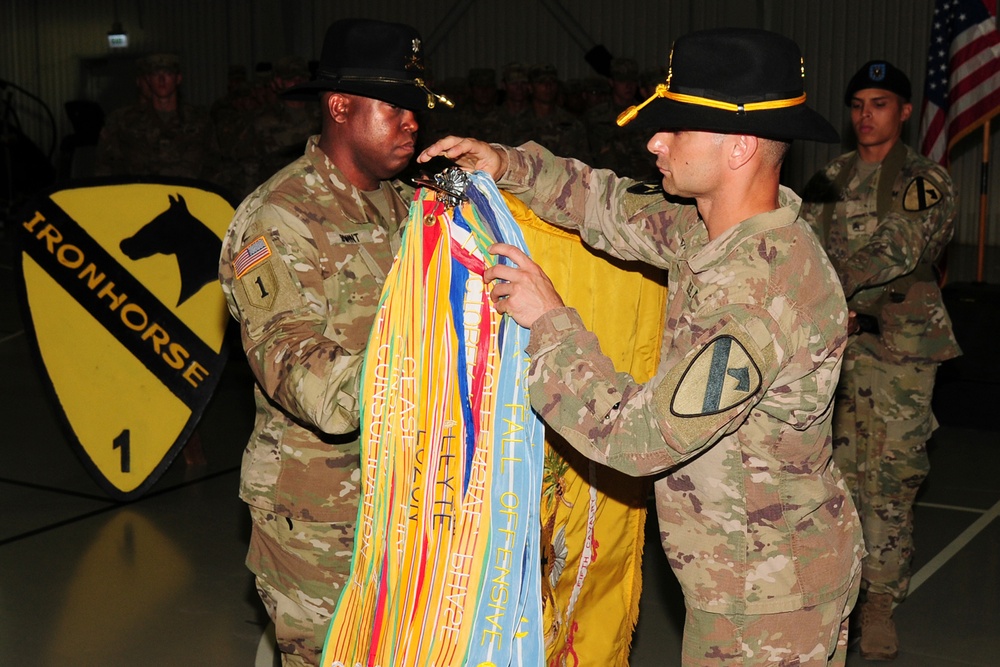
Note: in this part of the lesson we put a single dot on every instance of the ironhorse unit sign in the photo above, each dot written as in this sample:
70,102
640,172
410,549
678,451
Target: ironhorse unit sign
120,289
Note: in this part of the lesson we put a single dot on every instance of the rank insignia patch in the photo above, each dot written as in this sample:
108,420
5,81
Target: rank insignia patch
920,195
646,188
723,375
121,293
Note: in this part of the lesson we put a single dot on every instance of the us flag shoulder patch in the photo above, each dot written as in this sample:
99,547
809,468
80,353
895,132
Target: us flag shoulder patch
256,252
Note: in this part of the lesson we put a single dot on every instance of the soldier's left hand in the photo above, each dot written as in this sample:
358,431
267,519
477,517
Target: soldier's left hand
522,291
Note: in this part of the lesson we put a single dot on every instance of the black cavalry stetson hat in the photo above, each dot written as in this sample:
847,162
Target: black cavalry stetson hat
734,80
372,59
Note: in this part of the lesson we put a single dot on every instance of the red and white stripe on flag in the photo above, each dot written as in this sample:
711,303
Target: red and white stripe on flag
962,90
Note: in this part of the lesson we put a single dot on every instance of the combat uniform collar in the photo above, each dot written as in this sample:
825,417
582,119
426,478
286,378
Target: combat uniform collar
721,247
355,205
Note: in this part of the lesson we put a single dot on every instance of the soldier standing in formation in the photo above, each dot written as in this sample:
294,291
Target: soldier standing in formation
158,135
513,117
756,523
551,125
884,214
620,149
302,267
277,133
477,117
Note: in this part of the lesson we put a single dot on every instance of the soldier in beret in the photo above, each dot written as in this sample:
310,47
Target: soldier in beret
159,135
302,267
884,214
756,522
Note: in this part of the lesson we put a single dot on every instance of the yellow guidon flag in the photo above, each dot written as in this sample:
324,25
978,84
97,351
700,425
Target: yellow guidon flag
593,517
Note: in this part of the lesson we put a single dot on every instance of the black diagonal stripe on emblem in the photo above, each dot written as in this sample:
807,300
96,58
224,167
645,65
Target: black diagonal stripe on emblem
140,322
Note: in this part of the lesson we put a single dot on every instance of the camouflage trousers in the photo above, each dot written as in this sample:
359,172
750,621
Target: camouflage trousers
301,568
882,422
813,636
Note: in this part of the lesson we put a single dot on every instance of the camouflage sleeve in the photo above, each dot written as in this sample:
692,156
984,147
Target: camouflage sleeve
619,216
917,229
646,429
110,156
817,192
283,317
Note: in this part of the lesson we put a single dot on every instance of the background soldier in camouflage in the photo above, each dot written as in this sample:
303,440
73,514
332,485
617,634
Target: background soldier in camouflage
159,135
277,132
758,527
477,117
513,118
551,125
620,149
885,215
302,267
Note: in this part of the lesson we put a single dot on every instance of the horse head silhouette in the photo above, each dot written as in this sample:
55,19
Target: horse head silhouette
177,232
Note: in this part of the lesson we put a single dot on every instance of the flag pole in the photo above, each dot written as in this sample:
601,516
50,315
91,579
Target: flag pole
983,199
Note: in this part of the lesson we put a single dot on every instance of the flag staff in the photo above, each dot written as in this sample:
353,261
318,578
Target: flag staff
984,201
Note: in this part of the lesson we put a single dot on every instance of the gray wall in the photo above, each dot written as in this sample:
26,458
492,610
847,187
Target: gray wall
57,50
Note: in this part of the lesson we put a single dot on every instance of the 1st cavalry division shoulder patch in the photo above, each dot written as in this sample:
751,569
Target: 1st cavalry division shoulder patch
120,285
921,194
722,376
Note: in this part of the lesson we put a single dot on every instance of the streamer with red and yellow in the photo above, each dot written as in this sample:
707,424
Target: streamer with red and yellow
445,566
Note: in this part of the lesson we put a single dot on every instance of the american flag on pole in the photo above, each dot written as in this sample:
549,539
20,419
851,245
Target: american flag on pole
962,90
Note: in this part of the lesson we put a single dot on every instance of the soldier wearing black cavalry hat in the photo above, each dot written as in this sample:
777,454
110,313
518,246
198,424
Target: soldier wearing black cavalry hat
302,267
884,214
736,425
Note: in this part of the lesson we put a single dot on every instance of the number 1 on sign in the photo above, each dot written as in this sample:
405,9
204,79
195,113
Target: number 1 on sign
123,442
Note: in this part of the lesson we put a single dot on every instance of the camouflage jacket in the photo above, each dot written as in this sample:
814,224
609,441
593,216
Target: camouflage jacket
562,133
277,134
884,262
620,149
302,267
138,141
753,516
513,129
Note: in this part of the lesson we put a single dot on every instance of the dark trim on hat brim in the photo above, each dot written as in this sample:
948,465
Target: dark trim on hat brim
798,122
405,95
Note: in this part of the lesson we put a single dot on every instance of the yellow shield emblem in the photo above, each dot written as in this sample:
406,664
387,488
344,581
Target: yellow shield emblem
723,375
120,287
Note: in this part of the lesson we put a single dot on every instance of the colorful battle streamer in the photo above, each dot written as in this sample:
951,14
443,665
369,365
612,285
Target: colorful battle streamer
446,565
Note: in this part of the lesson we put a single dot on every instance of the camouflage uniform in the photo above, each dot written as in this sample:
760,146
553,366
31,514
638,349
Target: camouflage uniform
277,134
306,309
883,415
481,122
512,128
561,132
620,149
138,141
754,519
558,130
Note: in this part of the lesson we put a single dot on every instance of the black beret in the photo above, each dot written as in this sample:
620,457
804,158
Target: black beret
878,74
